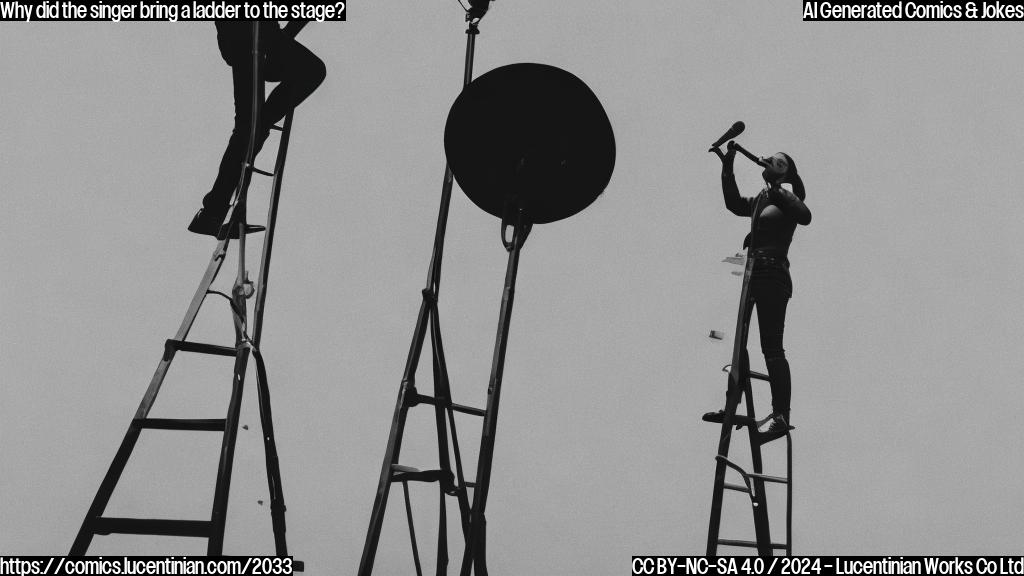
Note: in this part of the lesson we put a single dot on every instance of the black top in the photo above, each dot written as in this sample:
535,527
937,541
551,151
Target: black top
779,212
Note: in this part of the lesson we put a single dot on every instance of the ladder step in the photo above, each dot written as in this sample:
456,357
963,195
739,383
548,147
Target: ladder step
738,420
749,544
276,127
767,478
207,424
753,374
401,473
191,528
264,172
736,487
424,399
185,346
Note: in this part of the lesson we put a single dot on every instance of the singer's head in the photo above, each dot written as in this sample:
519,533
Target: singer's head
781,168
776,167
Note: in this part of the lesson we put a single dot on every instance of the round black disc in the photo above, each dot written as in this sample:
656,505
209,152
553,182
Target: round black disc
530,136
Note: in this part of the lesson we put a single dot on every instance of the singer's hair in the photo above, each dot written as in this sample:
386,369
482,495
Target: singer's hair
794,178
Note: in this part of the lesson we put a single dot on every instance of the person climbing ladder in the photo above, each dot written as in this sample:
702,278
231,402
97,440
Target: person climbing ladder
285,60
777,211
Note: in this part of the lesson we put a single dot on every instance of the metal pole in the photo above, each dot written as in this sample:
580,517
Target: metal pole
475,542
407,386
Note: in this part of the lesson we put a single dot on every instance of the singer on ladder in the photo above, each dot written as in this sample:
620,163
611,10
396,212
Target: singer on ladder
299,72
770,284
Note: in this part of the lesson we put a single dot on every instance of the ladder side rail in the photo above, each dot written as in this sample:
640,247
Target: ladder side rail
222,488
789,494
274,485
473,554
738,384
762,529
216,261
268,239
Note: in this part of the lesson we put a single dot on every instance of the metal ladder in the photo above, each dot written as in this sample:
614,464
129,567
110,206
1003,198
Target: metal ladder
754,482
246,342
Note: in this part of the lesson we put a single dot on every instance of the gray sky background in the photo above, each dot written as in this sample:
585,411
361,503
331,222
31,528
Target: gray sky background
903,333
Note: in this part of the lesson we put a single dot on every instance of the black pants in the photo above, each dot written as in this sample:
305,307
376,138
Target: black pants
299,72
770,290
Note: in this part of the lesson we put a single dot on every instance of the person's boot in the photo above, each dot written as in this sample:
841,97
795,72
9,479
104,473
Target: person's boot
208,221
772,427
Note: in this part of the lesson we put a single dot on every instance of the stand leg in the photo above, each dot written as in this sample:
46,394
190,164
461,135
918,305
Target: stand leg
428,311
475,541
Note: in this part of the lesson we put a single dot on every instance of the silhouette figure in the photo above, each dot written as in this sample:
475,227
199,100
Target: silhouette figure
779,211
298,71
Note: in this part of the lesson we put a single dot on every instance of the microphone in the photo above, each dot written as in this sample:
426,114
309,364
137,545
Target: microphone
731,133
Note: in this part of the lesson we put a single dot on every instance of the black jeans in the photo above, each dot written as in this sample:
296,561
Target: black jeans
299,72
770,289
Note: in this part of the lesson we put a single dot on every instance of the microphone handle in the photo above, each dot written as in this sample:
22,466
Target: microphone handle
746,153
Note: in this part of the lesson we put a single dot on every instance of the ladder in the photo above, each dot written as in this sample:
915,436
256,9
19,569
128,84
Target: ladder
754,482
246,342
451,481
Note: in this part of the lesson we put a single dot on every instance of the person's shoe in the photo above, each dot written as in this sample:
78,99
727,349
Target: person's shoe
772,427
207,221
249,229
716,417
211,223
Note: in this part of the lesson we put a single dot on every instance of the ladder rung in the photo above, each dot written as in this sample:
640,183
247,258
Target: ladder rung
421,398
753,374
738,420
749,544
185,346
192,528
264,172
208,424
735,487
401,473
767,478
469,410
276,127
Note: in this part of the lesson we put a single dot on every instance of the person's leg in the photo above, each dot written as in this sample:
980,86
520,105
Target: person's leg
219,197
299,72
771,320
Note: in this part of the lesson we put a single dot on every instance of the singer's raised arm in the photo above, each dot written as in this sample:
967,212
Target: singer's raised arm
735,203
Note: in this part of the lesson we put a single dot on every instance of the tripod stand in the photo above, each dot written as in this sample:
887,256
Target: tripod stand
547,153
408,396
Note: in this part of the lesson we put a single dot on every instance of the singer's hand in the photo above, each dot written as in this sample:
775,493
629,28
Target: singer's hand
728,156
